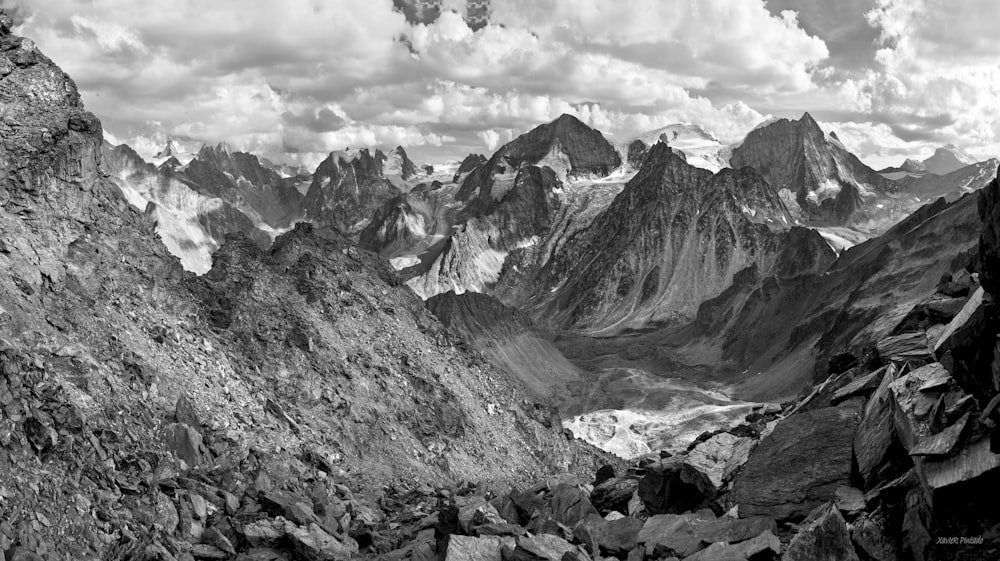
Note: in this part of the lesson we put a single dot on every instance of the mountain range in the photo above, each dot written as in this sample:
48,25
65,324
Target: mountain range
573,348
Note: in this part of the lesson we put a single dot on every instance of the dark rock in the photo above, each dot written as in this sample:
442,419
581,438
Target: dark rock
570,505
906,347
186,443
872,540
823,536
798,466
214,537
675,486
876,448
614,494
864,385
605,473
841,363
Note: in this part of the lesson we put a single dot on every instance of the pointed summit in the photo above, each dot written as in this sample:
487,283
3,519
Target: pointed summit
829,184
568,141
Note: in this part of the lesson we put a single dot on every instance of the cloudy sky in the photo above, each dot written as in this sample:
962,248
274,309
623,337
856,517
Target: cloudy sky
298,78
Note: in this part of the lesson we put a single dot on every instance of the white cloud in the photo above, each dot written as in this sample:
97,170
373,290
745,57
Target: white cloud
311,76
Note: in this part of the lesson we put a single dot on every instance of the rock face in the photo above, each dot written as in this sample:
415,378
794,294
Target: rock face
244,182
475,256
676,236
396,166
814,452
345,191
828,184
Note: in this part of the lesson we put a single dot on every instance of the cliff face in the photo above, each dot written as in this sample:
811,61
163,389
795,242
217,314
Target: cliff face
141,388
345,191
828,184
244,182
673,238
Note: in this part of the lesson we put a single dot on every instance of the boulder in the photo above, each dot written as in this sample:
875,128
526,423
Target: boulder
871,540
823,536
905,348
766,545
609,536
674,486
185,443
732,530
185,414
614,494
477,512
483,548
798,466
544,547
312,543
721,455
915,412
876,448
570,505
972,461
863,385
674,534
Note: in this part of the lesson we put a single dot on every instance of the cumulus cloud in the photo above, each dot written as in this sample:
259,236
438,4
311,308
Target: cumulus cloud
296,79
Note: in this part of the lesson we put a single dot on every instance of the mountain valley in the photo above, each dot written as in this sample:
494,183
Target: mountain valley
574,348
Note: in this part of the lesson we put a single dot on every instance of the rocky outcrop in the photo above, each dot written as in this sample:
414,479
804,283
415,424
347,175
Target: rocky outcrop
673,238
346,190
814,450
827,183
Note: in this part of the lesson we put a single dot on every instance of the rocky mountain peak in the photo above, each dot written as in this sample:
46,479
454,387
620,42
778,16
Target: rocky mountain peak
585,149
947,159
829,184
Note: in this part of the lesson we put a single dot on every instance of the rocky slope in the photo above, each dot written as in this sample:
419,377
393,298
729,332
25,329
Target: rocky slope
509,339
820,179
952,185
150,414
673,238
787,329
